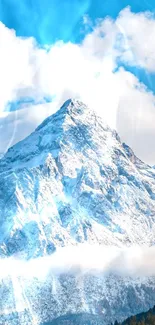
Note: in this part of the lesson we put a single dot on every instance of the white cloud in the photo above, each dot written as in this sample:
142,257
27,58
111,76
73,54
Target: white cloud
136,116
138,42
84,259
86,71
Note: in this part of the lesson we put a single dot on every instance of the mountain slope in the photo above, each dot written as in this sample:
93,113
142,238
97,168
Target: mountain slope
78,319
89,319
70,181
73,181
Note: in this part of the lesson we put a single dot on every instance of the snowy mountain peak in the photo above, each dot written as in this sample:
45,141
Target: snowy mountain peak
75,181
75,106
72,109
73,124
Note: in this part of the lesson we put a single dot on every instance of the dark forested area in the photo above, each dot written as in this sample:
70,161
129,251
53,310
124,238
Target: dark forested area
147,318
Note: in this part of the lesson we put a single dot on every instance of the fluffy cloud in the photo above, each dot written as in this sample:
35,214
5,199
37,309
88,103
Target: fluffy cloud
87,71
137,43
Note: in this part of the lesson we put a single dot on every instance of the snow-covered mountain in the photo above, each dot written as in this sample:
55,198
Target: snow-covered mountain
70,181
73,181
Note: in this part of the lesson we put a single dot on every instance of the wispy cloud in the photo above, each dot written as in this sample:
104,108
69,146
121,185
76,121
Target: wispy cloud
85,258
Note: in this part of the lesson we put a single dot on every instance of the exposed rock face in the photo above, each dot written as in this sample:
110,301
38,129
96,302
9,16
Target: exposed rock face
73,181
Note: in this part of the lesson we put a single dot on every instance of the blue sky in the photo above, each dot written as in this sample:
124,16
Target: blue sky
52,20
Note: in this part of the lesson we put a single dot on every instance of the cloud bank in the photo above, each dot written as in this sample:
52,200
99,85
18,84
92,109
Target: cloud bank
91,71
85,259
